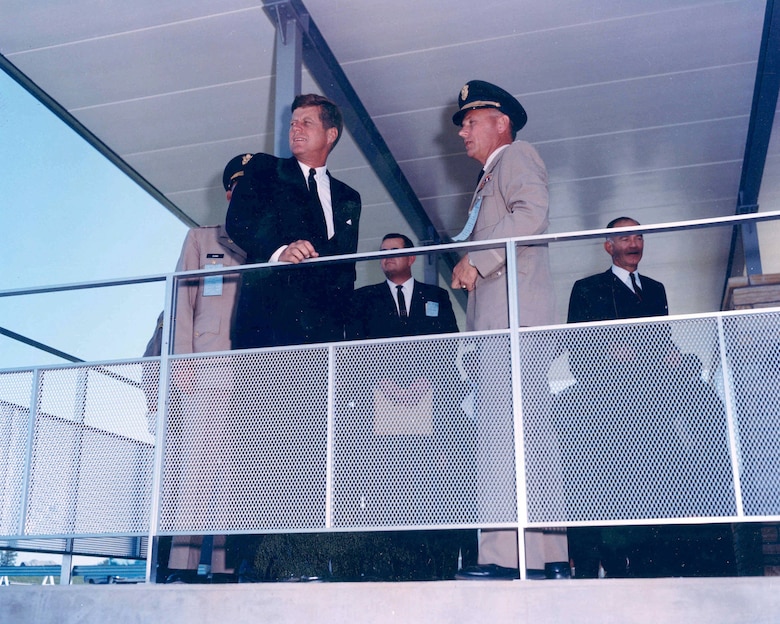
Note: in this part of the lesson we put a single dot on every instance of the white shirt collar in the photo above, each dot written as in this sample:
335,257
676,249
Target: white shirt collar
320,175
624,276
494,155
408,286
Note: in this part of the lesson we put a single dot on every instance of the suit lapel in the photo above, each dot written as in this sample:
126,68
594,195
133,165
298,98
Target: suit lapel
485,178
290,173
388,301
388,312
338,205
416,309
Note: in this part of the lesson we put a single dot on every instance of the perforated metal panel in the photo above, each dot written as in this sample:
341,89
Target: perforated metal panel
246,441
620,422
753,354
247,438
93,457
15,389
405,436
640,433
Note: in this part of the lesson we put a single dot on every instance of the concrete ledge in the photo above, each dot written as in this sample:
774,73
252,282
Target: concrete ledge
620,601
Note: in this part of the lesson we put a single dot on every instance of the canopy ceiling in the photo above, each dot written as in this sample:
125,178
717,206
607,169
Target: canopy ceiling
638,107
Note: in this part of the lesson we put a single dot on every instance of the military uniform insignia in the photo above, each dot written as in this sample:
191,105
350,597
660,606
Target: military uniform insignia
464,92
246,159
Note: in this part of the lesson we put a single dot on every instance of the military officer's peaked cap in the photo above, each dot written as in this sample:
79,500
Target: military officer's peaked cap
234,169
481,94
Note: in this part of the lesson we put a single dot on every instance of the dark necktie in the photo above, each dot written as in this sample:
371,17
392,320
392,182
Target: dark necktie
637,290
313,187
315,196
481,173
401,301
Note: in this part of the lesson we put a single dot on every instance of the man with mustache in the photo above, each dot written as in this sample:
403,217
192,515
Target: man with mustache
619,292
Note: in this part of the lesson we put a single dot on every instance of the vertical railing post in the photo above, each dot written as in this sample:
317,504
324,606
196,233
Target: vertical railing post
517,402
163,392
67,564
35,395
730,418
330,432
79,411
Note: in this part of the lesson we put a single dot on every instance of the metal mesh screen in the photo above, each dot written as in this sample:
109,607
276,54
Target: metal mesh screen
423,433
636,429
753,353
93,457
15,391
246,442
620,422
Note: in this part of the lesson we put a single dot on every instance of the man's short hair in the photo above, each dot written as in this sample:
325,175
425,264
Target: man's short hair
408,244
330,115
617,220
614,222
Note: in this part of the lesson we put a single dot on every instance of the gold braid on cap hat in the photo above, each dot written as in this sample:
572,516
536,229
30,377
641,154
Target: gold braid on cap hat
481,104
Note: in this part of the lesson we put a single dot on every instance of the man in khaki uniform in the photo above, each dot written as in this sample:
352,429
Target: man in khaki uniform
202,323
511,200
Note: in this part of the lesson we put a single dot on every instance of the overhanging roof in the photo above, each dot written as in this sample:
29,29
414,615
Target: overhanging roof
638,107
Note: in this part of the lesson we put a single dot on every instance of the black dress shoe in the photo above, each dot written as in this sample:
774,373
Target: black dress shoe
223,577
557,570
303,579
487,572
186,576
246,574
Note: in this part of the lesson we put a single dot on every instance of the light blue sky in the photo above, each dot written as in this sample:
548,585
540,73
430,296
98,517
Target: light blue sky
70,216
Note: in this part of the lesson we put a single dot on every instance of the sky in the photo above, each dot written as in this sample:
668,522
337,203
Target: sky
70,216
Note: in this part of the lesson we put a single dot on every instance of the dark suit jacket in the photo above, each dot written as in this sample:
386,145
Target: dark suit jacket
271,207
374,313
603,297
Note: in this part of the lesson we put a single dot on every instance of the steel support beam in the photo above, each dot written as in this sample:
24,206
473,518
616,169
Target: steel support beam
287,72
325,69
38,345
745,252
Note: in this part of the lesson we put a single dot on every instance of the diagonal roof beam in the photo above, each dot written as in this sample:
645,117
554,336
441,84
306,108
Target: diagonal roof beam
325,69
38,345
60,111
744,239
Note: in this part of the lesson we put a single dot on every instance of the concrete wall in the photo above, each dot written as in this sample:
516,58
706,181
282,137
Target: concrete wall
742,600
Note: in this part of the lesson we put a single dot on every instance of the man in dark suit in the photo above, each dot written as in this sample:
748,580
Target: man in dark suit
619,292
403,306
287,211
290,210
400,306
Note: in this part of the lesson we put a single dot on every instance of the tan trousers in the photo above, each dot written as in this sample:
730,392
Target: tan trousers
499,546
185,553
